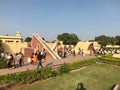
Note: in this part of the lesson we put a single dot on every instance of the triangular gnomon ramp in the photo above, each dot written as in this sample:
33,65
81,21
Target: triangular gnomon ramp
54,55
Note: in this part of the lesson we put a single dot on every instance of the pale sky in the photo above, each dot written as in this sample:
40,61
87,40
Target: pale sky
85,18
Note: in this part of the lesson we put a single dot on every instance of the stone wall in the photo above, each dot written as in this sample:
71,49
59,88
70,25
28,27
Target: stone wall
50,45
14,47
27,53
85,45
37,45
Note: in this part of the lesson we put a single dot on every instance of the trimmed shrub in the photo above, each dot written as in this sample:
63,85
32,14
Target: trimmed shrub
30,76
67,67
108,59
81,63
63,69
26,76
3,63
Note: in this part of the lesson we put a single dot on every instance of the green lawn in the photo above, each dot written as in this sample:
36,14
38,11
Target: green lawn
93,77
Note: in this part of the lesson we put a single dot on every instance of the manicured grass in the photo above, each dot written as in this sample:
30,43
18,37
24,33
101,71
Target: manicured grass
93,77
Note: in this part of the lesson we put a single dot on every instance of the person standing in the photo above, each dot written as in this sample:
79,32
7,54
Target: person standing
16,60
43,53
73,52
35,59
39,56
20,56
9,61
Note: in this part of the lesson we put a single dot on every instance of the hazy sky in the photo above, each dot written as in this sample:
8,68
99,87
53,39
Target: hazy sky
48,18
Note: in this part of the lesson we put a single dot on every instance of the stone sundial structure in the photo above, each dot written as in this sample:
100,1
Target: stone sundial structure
38,43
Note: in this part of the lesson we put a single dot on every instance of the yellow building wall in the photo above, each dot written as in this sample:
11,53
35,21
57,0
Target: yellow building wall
50,45
81,44
85,45
14,47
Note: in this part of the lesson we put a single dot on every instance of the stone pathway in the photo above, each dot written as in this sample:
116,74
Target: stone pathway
45,63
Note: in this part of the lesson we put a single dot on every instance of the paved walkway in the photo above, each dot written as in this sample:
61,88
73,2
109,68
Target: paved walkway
45,63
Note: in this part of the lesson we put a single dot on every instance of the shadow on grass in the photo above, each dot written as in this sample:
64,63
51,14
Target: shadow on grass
80,86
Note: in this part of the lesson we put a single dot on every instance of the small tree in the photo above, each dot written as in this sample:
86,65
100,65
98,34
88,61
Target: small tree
68,39
28,39
117,38
106,40
101,40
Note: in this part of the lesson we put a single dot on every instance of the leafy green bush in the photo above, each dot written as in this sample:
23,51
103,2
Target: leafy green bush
30,76
81,63
108,59
67,67
26,76
63,69
3,63
111,61
108,55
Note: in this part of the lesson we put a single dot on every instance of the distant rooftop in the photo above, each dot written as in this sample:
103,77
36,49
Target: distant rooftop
7,38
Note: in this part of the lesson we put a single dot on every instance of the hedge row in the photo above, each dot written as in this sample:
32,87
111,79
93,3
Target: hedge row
108,59
67,67
81,63
30,76
3,63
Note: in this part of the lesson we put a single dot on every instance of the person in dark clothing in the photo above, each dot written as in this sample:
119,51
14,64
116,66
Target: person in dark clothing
39,56
44,55
12,60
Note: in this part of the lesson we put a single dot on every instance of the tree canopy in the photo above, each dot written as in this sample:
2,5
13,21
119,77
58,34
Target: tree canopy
68,39
117,40
106,40
28,39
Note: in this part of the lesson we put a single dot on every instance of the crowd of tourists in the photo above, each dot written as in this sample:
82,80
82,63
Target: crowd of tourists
36,58
13,61
103,51
109,51
17,60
